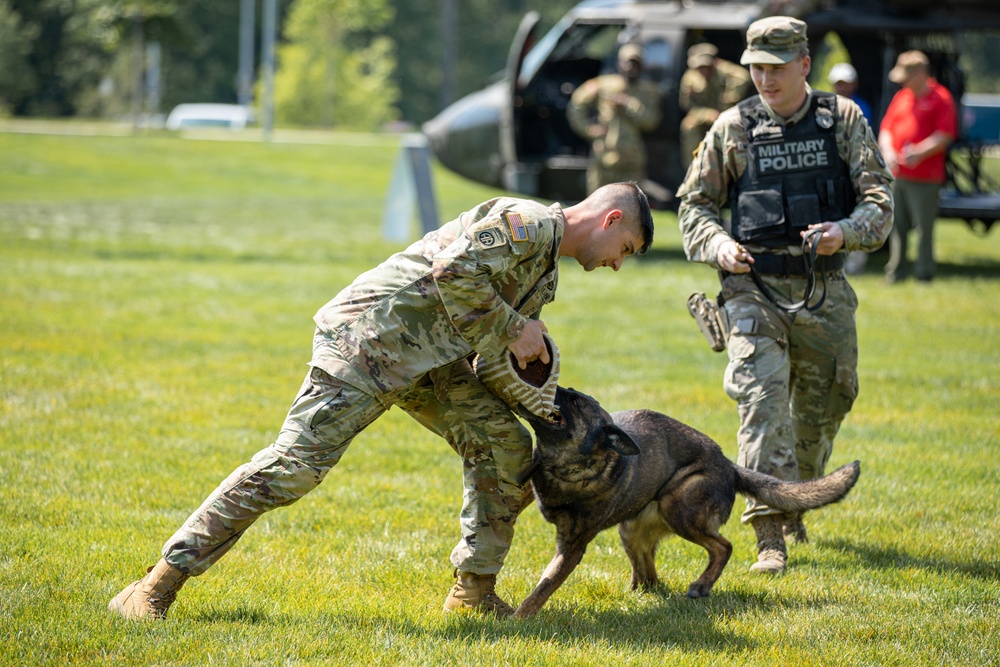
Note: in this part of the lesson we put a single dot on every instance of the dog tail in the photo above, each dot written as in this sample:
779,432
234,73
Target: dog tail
797,496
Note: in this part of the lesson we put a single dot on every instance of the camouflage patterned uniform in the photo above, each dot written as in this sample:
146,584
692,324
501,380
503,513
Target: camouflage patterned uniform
703,99
596,112
794,377
402,334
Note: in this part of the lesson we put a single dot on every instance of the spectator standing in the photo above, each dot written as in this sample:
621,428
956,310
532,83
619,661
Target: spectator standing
612,111
918,127
844,79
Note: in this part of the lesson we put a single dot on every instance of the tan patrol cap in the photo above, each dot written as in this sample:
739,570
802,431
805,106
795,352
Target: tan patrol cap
630,52
774,40
907,64
701,55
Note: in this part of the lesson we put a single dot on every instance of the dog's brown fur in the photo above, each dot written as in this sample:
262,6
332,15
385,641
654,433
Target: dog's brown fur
651,476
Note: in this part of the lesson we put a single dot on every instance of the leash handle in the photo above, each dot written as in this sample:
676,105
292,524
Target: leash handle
811,239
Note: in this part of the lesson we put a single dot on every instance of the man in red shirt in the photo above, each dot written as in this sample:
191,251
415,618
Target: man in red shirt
916,131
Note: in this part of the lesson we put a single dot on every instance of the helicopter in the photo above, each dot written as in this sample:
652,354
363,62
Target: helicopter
513,134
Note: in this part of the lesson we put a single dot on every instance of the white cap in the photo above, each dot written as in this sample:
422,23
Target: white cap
843,72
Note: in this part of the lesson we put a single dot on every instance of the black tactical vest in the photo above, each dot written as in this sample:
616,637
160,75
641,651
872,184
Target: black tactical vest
794,176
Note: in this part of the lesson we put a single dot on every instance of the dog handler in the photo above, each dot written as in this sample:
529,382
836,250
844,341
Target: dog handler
402,334
787,161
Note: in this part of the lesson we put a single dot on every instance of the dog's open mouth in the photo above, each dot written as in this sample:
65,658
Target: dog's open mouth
552,420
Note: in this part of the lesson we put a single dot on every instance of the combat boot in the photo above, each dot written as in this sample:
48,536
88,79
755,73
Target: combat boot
771,553
476,592
151,596
794,529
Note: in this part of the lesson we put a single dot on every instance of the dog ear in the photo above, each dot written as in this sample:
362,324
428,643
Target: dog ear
620,441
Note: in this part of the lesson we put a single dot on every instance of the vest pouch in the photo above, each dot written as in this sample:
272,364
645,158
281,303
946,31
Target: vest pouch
803,210
760,215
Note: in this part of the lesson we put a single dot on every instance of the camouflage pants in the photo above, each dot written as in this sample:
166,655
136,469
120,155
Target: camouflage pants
793,377
322,422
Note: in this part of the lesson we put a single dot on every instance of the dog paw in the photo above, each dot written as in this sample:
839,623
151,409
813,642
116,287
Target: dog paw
698,590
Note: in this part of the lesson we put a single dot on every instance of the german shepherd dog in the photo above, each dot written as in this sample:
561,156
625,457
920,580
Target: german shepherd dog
651,476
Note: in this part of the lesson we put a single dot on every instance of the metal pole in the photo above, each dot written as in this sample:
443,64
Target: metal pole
269,23
244,82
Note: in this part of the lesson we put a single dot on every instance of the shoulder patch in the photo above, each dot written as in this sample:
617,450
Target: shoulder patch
516,224
489,237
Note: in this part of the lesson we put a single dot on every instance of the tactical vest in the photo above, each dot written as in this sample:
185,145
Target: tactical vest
794,176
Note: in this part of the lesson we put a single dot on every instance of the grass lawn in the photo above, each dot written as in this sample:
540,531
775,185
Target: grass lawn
156,297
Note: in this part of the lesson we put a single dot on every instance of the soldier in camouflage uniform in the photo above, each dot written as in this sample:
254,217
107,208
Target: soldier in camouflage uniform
709,86
785,162
403,334
612,111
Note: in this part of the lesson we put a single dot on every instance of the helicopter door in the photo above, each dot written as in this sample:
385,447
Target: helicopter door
524,40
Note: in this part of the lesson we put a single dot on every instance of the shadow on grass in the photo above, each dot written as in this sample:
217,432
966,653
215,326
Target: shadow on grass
664,620
671,621
883,557
243,614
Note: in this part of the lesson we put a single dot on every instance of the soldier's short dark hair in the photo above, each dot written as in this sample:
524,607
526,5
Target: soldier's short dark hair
630,198
645,219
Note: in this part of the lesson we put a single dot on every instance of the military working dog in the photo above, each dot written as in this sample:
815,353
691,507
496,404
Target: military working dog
651,476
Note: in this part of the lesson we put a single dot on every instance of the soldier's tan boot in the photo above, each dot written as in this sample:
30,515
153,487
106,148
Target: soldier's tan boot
771,553
476,592
151,596
794,529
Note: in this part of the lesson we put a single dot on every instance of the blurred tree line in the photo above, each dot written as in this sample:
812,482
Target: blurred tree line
344,63
981,62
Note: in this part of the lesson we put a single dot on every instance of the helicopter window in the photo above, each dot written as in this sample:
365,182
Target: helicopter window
583,50
589,41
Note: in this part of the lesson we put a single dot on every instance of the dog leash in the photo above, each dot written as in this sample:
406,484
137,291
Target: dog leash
811,239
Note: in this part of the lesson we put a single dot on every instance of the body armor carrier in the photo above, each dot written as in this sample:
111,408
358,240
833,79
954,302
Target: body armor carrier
794,176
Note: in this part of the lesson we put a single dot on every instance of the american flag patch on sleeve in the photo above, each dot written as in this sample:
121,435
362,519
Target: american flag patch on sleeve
518,232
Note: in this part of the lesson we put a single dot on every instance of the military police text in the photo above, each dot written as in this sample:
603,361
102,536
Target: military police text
792,156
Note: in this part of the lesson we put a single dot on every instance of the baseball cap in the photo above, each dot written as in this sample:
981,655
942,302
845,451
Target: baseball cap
630,52
701,55
907,64
843,72
774,40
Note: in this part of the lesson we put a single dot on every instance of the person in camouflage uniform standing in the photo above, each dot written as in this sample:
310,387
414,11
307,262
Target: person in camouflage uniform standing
708,87
403,334
612,111
786,162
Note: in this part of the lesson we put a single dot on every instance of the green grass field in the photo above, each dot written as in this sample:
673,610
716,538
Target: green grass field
156,297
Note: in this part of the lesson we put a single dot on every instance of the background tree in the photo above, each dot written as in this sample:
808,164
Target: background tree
981,61
482,35
17,78
335,68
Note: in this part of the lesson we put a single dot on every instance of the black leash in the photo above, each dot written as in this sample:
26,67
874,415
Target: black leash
811,239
